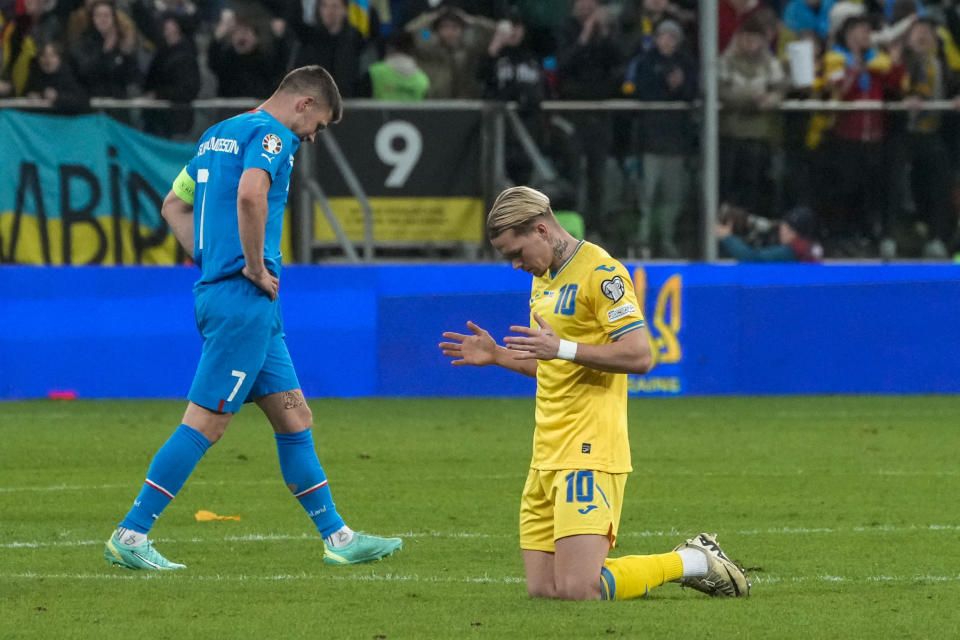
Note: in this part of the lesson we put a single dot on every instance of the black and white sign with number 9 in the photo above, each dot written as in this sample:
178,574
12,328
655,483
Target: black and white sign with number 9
402,160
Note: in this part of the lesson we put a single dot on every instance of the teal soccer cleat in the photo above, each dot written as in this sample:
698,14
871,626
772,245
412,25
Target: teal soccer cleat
142,556
362,548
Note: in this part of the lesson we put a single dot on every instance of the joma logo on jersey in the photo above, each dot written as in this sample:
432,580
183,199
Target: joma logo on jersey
225,145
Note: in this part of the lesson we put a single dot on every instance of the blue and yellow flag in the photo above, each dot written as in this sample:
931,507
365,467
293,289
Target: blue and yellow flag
84,190
360,16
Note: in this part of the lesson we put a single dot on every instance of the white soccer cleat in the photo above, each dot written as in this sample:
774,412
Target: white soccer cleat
724,578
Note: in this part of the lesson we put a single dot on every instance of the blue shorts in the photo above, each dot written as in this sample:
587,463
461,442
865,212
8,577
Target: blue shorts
244,354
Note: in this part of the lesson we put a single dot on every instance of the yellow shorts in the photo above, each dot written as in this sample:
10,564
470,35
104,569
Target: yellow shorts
557,504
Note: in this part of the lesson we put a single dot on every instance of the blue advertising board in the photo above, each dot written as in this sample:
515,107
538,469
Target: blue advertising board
373,330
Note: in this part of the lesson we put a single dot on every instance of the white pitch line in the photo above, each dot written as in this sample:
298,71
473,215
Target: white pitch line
773,579
798,530
508,476
251,537
128,485
756,580
370,577
36,545
663,533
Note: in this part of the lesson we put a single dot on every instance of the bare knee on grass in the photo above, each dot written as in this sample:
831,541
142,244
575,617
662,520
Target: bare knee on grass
577,565
565,587
578,588
539,567
541,590
571,573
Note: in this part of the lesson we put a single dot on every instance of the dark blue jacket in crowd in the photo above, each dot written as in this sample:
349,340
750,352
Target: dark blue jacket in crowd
664,132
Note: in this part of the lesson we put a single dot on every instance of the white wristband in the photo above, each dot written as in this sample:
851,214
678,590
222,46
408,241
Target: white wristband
567,350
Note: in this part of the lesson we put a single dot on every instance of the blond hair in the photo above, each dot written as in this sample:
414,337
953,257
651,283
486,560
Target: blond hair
517,208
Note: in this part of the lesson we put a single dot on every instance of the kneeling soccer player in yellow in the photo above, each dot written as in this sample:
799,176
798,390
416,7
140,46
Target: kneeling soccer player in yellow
586,333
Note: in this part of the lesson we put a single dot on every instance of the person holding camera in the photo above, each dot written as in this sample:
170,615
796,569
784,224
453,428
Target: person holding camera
245,55
796,233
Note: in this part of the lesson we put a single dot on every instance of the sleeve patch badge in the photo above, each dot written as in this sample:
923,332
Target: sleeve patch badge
618,312
613,288
272,143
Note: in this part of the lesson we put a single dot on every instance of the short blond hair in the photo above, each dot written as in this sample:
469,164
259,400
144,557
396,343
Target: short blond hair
517,208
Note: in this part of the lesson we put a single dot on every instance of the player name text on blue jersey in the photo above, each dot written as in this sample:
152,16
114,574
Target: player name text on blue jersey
227,145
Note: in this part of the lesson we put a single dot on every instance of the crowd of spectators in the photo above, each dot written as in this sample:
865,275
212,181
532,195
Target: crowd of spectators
876,182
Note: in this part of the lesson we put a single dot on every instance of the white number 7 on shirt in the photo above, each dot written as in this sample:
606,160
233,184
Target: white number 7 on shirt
241,376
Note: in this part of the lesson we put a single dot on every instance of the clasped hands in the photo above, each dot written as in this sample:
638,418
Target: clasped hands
479,348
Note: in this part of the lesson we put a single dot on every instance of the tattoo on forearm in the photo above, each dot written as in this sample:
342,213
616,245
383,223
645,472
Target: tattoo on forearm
559,248
293,399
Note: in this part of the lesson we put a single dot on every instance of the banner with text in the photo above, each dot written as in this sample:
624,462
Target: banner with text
84,190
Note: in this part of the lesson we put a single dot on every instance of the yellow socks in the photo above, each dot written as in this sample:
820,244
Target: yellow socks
634,576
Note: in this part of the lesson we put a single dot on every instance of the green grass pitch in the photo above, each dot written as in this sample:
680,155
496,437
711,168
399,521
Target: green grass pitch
845,508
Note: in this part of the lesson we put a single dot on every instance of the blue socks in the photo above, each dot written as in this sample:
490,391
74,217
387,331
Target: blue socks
170,468
305,478
177,458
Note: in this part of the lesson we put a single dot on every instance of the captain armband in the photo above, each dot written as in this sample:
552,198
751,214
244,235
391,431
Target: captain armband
184,186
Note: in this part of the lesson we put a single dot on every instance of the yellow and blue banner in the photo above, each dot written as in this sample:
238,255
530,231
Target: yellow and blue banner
84,190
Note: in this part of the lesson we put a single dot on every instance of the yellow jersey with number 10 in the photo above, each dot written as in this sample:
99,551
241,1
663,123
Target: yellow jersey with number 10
582,412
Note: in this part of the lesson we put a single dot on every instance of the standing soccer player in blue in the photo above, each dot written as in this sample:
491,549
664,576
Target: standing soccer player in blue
226,209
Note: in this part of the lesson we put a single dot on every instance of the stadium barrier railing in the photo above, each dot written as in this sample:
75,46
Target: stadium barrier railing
499,126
